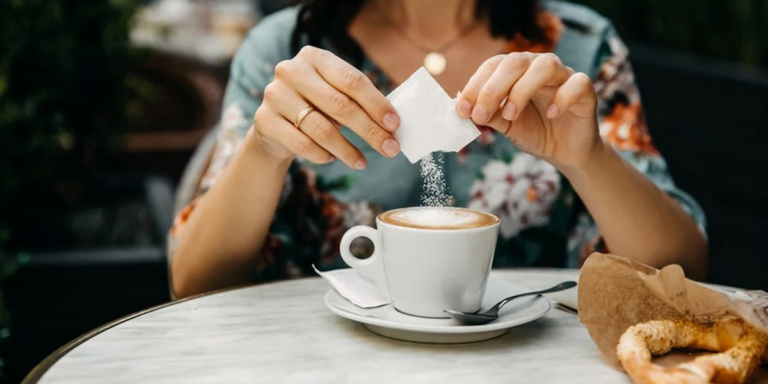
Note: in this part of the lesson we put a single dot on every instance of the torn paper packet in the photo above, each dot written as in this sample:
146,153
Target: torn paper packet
428,119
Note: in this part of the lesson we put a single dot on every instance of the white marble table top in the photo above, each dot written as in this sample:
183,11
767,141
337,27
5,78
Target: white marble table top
282,333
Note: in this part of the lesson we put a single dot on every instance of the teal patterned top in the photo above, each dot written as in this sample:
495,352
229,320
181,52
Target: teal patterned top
543,222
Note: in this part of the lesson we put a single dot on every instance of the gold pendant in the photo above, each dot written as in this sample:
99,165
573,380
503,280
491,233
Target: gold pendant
435,63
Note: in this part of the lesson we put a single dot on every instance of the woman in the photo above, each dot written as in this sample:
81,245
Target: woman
564,158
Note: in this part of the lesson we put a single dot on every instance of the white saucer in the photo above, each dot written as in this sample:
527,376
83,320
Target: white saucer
388,322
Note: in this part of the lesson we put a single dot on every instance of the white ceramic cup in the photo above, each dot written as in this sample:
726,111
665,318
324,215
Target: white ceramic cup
425,271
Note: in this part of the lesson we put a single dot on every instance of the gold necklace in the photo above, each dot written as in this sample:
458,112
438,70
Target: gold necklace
434,59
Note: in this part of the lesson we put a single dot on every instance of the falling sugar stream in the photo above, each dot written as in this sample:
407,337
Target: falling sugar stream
434,190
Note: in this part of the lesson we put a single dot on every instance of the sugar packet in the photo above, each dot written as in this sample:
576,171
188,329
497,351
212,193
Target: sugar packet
428,118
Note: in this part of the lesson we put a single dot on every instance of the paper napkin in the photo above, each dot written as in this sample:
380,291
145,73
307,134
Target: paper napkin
358,289
428,119
639,293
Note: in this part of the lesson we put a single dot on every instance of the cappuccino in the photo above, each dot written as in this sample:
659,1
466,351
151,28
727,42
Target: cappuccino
428,259
438,218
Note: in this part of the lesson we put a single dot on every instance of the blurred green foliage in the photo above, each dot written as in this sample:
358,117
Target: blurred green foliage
63,67
734,30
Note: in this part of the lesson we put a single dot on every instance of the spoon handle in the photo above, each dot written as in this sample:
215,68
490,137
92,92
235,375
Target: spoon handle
560,287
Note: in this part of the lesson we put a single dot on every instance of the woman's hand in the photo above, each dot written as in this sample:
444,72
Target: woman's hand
542,106
340,94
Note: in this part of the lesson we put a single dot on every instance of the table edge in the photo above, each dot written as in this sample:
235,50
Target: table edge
34,376
42,367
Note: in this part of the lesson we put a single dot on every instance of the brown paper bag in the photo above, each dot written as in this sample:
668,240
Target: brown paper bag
616,293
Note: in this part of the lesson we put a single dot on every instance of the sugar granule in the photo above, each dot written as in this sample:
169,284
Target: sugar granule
434,190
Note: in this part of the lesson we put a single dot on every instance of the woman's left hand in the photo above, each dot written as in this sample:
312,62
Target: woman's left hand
544,107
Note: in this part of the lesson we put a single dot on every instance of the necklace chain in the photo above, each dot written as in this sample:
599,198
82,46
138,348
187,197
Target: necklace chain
441,49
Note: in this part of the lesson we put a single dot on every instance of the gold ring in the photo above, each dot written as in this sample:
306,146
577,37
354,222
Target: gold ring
304,112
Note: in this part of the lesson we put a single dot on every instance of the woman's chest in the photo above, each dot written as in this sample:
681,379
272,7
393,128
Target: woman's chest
397,58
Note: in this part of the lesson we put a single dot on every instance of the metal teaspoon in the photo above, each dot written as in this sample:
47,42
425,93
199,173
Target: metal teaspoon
493,313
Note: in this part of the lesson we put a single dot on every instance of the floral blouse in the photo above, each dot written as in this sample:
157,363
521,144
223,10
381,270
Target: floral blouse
543,222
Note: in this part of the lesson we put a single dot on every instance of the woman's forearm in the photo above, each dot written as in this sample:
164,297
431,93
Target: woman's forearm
637,219
218,246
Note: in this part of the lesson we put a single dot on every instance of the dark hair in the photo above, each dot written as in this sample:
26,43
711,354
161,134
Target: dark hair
330,19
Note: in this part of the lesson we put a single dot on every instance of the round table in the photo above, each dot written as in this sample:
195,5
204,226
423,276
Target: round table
282,332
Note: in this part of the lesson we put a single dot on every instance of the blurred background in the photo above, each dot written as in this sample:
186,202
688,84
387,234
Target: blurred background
102,103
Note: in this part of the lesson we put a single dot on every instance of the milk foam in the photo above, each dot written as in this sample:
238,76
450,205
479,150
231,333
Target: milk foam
438,218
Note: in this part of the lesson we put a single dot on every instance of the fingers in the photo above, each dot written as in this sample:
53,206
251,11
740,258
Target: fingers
496,89
509,82
318,127
472,90
278,129
346,111
544,70
499,123
315,125
353,83
577,88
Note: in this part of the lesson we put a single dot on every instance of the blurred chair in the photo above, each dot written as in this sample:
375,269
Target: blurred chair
710,120
183,103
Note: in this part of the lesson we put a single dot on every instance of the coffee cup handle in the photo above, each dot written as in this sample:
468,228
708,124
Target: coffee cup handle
373,266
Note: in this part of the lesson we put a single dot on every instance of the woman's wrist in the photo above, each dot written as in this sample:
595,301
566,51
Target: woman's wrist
255,147
601,159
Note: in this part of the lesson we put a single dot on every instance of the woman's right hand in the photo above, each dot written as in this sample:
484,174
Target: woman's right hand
341,96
